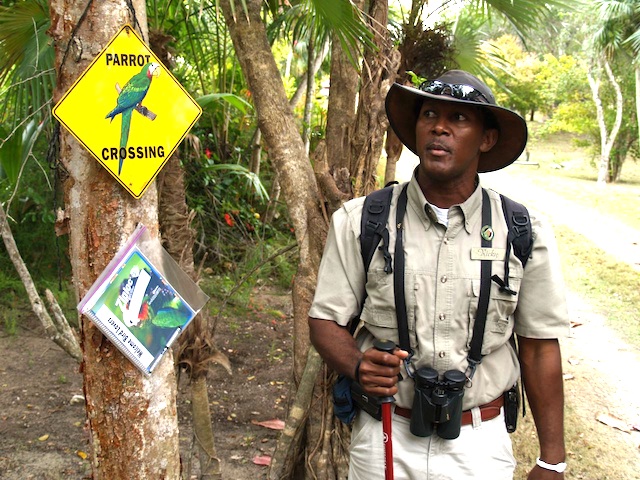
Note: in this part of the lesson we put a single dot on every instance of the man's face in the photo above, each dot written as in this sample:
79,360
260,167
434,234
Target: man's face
449,139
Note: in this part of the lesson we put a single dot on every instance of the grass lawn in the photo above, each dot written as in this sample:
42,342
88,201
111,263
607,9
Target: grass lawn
571,171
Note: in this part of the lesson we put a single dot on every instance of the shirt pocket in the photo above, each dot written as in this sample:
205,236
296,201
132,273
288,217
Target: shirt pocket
499,323
379,313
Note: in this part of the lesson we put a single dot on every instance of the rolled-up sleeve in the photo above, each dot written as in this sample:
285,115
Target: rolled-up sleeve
341,280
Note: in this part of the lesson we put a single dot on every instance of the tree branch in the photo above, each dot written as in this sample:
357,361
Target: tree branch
60,334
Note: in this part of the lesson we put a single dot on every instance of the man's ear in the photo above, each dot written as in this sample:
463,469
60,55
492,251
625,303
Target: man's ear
489,139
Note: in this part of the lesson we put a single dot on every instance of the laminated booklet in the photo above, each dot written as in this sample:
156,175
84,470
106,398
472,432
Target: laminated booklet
141,305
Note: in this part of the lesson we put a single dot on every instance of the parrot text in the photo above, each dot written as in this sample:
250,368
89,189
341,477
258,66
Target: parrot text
114,153
127,59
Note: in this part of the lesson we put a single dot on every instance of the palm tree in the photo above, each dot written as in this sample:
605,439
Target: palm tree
27,80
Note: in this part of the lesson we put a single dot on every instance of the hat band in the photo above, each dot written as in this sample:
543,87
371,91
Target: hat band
455,90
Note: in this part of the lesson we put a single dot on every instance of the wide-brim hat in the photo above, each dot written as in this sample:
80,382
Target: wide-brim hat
403,106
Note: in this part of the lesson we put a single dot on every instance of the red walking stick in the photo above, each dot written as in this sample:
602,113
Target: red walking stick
386,346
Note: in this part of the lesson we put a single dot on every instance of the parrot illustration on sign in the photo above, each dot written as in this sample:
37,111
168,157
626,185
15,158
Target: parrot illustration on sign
128,99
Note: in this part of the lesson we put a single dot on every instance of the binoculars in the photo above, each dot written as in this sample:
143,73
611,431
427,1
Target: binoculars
437,403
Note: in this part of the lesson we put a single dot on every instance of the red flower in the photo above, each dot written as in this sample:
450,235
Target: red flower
207,153
229,219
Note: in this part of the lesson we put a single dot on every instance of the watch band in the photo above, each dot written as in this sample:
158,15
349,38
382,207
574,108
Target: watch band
558,467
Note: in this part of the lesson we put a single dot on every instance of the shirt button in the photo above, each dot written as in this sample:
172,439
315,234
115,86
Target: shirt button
442,316
442,354
446,241
443,279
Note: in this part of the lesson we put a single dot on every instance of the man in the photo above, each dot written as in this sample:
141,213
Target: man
455,127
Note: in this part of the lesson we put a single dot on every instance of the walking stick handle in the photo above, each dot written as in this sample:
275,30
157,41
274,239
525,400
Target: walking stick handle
385,346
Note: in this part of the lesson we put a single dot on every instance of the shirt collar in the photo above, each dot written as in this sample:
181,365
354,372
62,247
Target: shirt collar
471,208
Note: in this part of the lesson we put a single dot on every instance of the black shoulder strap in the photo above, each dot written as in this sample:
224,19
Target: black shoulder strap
373,227
519,224
474,356
398,275
519,237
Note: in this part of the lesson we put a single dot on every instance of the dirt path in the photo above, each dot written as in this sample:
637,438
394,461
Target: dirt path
600,368
609,234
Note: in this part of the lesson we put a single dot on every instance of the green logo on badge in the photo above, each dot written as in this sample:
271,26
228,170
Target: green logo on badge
487,233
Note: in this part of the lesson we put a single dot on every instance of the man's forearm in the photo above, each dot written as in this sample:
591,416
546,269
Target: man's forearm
335,345
542,376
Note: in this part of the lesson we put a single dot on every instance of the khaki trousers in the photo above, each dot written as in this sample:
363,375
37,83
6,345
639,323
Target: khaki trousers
481,452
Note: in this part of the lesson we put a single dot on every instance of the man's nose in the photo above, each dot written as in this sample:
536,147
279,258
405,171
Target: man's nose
440,126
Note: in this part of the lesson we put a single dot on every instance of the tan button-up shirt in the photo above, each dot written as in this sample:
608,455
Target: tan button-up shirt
442,286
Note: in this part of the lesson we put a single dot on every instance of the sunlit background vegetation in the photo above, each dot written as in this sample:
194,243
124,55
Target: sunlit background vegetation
241,221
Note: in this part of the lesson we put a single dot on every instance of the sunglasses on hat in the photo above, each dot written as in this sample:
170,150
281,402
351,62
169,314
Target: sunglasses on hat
459,91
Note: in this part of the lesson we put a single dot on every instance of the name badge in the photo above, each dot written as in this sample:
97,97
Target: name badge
488,253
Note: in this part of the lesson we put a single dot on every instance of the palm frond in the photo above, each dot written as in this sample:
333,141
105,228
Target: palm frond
27,77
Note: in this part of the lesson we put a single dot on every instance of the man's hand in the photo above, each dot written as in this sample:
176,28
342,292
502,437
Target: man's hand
378,373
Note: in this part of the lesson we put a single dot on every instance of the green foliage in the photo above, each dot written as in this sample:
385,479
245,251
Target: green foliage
27,77
320,20
17,149
12,291
230,204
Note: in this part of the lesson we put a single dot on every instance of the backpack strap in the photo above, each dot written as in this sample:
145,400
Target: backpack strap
519,236
398,275
373,230
474,357
373,227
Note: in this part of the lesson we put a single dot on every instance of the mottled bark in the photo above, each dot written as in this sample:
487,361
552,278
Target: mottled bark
287,154
341,108
378,73
131,418
295,175
393,147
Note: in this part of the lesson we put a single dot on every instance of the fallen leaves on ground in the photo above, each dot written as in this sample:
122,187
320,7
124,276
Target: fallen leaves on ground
274,424
264,460
613,422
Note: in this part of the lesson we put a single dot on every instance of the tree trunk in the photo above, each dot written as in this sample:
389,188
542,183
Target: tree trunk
132,418
295,175
378,73
341,108
607,140
286,152
308,101
393,147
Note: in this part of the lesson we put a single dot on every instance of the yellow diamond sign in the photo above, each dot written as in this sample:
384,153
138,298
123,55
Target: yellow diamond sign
128,111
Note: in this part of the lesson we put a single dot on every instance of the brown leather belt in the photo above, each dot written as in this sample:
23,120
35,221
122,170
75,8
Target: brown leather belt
487,412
